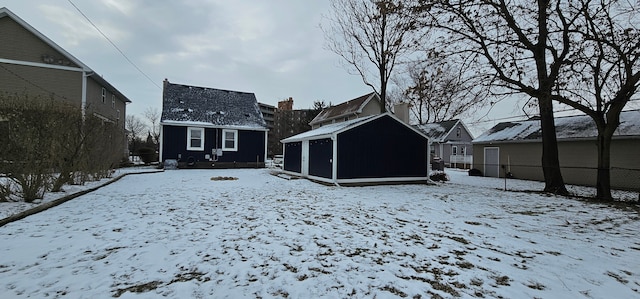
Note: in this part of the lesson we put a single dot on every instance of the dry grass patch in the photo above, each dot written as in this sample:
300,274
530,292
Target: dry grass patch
223,178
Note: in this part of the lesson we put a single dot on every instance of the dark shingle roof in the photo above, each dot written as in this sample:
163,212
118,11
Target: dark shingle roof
438,131
346,108
568,127
209,106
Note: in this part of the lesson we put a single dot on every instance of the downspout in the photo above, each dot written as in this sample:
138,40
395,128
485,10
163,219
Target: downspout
83,105
266,143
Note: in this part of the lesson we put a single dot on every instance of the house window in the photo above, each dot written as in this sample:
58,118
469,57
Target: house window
113,101
195,139
104,95
230,140
454,150
463,150
458,132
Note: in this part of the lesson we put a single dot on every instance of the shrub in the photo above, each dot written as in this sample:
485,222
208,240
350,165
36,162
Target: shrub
147,155
475,172
50,143
439,176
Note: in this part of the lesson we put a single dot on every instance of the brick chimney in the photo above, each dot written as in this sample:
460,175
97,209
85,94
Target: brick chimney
286,104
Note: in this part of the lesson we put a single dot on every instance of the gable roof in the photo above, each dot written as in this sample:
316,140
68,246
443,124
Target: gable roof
567,128
5,12
350,107
438,131
210,107
327,131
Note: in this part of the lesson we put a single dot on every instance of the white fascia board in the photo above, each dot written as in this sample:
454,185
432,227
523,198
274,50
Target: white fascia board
381,180
43,65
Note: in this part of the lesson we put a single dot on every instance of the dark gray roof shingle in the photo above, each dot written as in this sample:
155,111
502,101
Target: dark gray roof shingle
201,105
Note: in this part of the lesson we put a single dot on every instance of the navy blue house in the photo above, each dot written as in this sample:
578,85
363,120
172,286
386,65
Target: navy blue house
205,127
367,150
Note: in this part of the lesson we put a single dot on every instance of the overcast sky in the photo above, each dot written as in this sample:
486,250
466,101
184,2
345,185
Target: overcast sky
271,48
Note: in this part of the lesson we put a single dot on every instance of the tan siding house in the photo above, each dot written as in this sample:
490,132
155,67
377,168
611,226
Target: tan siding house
33,65
515,149
368,104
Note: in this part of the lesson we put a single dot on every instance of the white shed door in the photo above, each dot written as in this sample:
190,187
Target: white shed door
492,161
305,157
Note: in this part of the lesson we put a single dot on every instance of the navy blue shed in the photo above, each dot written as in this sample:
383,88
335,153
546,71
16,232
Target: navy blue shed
373,149
205,127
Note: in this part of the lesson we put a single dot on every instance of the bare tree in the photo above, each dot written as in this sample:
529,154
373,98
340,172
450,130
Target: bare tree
439,90
152,114
518,48
135,128
604,74
371,34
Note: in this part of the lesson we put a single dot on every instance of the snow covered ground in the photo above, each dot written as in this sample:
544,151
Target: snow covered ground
182,234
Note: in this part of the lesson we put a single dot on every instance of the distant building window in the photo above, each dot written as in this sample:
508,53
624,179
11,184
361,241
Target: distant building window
195,139
104,95
458,132
230,140
454,150
463,150
113,101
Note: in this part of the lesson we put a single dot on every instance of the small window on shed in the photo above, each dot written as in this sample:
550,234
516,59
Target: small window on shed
230,140
195,139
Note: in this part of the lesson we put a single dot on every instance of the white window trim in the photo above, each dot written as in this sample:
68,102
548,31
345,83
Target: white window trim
235,141
199,148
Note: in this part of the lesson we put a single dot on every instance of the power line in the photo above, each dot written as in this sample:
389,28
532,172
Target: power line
114,45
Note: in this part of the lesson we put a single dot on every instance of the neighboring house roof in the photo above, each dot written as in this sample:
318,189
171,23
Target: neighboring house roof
350,107
567,128
336,128
5,12
438,131
202,106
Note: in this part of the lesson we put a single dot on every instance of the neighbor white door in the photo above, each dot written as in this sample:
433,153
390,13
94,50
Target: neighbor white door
492,162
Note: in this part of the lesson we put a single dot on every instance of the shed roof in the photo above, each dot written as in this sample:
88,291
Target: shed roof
193,105
567,128
327,131
347,108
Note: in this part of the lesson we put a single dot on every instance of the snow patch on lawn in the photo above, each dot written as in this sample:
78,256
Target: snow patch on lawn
179,234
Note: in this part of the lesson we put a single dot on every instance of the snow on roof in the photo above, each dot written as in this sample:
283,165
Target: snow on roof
184,104
347,108
568,127
327,130
437,131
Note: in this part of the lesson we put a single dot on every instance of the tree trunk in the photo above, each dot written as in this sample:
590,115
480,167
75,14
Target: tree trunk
553,181
603,180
